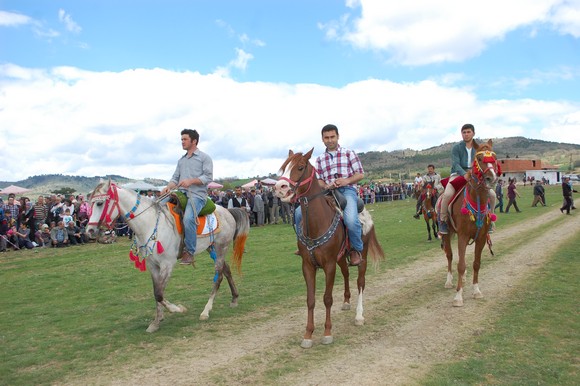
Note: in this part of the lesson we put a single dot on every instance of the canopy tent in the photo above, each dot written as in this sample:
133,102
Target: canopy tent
140,186
269,181
13,189
250,184
214,185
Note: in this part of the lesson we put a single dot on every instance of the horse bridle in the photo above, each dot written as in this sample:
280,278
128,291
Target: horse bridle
112,209
489,158
299,183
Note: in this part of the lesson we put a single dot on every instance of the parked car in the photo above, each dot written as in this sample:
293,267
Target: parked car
573,177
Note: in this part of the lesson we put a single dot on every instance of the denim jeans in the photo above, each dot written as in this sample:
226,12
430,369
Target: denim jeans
350,217
189,222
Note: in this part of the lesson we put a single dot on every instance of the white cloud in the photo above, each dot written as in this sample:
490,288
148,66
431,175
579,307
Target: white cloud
420,32
66,120
68,22
11,19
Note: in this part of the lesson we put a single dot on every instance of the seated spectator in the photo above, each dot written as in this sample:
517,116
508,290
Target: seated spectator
59,236
67,217
23,235
43,236
74,234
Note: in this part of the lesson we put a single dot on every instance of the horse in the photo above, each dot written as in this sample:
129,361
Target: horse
429,211
470,218
323,240
157,241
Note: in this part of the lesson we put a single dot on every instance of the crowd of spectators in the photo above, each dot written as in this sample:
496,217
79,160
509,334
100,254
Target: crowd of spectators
57,221
52,221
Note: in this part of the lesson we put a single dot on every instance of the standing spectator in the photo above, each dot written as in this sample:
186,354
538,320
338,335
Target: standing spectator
59,236
267,205
40,212
499,195
512,194
539,194
55,209
286,212
3,229
274,207
68,204
258,208
11,208
27,217
83,212
567,193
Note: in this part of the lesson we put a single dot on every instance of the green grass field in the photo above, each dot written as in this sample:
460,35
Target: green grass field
68,311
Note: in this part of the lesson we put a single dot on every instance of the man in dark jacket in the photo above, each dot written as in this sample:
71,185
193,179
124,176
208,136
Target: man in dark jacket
539,194
567,193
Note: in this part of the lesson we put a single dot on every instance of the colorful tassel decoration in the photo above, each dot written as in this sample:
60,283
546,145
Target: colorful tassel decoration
132,256
493,217
142,266
160,249
464,210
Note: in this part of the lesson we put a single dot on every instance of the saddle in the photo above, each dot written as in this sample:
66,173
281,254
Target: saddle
207,221
341,200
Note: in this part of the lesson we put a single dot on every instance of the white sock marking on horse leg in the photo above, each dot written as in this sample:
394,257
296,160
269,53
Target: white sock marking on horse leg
476,292
359,319
458,300
449,282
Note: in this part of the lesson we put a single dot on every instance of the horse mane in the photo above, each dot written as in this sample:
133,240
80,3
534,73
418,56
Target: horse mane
295,157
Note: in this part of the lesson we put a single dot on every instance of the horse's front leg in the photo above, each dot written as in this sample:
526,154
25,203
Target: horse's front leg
479,245
345,274
428,229
309,273
160,277
330,274
461,267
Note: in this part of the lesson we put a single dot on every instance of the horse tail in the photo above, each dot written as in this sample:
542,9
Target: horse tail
240,236
375,250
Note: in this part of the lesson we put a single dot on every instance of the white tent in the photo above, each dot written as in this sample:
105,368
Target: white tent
269,181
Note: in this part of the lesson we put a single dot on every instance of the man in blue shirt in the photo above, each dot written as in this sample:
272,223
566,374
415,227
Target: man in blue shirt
193,172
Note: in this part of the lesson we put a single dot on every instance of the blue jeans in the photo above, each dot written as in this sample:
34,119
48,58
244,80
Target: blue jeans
189,221
350,215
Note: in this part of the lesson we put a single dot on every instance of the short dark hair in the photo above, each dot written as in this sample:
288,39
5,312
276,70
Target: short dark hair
468,126
329,127
431,166
193,134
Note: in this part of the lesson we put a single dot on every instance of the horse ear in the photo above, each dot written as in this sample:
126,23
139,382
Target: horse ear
475,145
309,154
290,153
490,142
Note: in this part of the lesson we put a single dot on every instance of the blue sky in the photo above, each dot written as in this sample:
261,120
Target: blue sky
106,86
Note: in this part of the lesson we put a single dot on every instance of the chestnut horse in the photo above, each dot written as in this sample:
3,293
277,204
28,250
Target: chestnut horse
323,240
429,211
470,217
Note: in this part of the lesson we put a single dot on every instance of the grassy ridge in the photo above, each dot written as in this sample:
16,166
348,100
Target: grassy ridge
74,310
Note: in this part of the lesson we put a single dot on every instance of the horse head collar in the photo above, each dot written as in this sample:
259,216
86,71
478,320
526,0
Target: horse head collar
295,176
110,203
486,168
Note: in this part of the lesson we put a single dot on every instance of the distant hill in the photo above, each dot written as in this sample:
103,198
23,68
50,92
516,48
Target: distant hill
406,163
378,165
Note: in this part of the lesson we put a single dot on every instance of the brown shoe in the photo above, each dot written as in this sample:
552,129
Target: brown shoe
297,252
186,258
355,258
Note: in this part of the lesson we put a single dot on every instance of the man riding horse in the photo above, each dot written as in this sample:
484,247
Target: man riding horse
431,178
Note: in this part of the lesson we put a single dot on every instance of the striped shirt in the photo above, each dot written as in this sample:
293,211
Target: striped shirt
342,163
40,211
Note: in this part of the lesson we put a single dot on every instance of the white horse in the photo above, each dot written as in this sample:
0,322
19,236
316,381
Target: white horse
157,242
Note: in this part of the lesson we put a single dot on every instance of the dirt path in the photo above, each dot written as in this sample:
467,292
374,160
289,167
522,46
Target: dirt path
424,330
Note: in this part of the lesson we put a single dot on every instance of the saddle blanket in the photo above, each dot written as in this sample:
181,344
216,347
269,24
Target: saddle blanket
207,224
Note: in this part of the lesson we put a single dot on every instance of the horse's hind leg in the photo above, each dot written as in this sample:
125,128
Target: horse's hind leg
446,245
476,265
428,230
359,319
330,274
345,274
219,268
228,274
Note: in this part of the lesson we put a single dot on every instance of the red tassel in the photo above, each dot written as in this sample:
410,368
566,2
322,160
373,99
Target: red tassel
160,249
464,210
137,265
132,215
132,256
142,266
493,217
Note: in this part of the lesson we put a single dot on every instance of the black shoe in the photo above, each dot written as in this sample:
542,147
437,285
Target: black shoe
562,210
416,216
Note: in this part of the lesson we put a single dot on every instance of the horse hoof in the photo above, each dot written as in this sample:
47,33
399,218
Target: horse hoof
203,317
152,328
359,321
233,304
448,285
457,303
478,295
345,306
327,339
181,308
306,343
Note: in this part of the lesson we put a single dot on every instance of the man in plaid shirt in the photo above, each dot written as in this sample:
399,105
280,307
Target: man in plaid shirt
340,168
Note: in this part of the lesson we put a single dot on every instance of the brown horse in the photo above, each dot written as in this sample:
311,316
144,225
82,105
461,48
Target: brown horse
470,217
323,240
429,211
